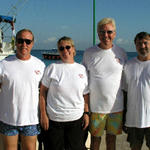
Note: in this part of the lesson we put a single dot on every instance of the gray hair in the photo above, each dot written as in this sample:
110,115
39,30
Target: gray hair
24,30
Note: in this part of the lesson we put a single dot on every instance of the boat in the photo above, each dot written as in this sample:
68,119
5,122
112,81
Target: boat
7,43
51,54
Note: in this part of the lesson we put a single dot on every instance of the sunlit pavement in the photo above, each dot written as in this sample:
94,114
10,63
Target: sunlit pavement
121,143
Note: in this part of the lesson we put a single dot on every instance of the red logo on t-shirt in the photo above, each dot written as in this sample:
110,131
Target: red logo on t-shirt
118,60
81,75
37,72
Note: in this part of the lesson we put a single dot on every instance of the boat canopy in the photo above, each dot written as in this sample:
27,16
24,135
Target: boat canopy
7,19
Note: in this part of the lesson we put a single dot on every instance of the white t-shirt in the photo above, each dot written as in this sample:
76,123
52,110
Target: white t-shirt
67,83
19,96
105,72
137,85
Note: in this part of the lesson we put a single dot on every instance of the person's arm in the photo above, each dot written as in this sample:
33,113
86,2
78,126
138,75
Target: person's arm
44,120
86,111
124,110
0,86
125,106
124,84
1,70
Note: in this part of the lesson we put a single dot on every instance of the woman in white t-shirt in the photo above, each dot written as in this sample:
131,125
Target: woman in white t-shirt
64,100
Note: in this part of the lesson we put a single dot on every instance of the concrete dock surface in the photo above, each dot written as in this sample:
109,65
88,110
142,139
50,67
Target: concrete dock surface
121,143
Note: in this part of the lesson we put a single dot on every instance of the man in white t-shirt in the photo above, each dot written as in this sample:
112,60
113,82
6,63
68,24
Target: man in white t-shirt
137,85
20,76
104,63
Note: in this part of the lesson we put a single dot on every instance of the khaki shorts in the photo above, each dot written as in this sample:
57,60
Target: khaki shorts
112,123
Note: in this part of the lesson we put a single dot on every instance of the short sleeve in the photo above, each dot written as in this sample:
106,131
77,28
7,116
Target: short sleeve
86,90
46,77
1,72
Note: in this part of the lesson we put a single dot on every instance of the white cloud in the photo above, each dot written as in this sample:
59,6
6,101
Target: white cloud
64,27
127,44
121,41
50,39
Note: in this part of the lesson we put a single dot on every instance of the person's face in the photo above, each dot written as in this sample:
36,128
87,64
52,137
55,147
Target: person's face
24,44
67,51
143,47
106,35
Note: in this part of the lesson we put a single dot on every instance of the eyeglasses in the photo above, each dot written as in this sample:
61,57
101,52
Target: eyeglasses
108,32
21,41
61,48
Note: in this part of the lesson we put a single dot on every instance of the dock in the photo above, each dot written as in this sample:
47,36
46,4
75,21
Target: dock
121,143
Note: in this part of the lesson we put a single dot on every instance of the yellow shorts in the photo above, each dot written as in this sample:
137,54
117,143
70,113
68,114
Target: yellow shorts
111,122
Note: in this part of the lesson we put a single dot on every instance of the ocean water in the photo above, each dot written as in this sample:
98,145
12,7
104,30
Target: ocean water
78,57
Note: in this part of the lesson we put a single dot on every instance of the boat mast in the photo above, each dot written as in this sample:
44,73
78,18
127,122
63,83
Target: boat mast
8,20
13,12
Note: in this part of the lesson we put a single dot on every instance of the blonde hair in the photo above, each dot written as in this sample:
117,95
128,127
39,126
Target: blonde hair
68,39
105,21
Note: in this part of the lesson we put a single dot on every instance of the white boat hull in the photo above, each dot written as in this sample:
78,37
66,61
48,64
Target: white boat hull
6,50
2,56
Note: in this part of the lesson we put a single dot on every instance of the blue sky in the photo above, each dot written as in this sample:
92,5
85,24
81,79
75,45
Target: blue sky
51,19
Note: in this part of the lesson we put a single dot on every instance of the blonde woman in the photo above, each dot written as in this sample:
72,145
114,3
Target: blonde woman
64,100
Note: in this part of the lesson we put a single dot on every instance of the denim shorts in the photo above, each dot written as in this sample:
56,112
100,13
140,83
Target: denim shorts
10,130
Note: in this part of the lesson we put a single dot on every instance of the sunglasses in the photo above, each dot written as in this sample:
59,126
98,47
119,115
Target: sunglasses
61,48
108,32
21,41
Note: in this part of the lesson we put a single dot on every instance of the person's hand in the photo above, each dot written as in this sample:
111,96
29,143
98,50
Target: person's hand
85,121
44,121
125,129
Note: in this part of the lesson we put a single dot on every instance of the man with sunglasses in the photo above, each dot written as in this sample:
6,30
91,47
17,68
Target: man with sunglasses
104,63
20,77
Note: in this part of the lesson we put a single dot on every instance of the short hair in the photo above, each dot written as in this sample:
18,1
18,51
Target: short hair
105,21
142,35
25,30
66,38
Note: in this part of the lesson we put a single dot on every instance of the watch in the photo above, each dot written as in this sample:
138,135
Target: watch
87,112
